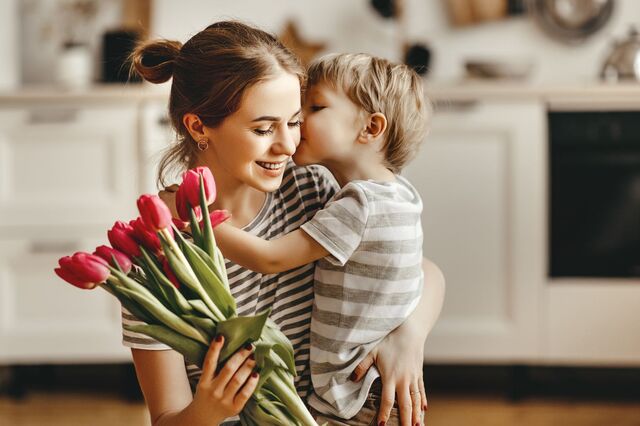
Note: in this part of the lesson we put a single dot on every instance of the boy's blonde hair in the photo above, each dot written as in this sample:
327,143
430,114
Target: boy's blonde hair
378,85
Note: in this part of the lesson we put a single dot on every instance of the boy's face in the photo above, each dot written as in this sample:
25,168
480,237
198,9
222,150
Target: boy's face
330,128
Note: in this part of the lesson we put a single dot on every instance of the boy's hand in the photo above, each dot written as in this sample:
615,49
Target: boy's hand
168,195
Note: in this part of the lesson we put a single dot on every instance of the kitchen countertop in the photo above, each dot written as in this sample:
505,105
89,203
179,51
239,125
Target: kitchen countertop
557,94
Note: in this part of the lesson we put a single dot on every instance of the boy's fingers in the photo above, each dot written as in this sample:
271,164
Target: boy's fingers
362,368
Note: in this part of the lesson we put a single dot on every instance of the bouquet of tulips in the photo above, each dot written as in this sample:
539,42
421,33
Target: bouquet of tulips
179,288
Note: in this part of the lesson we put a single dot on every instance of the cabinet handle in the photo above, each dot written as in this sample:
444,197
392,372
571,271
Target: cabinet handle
454,105
164,121
46,247
52,116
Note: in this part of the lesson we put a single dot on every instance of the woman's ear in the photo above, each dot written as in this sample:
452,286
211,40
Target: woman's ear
375,127
194,126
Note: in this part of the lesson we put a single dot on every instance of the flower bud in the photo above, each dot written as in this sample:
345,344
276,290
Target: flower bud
107,253
189,190
154,212
121,237
83,270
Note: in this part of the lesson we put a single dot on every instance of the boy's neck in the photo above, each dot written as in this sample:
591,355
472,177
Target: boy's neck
360,168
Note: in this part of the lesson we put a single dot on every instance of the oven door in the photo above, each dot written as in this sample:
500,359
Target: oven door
595,194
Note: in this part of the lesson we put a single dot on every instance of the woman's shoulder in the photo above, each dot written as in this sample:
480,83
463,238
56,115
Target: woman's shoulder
314,174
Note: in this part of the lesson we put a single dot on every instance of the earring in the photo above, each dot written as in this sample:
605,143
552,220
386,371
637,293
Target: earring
203,144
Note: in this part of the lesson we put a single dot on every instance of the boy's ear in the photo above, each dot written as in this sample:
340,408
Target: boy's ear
194,126
376,125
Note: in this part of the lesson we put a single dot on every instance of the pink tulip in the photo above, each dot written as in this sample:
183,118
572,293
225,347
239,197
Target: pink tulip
183,208
169,273
83,270
107,253
144,236
189,190
217,217
154,212
121,237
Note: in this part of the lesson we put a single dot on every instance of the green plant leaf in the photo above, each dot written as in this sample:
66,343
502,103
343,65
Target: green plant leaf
238,331
193,351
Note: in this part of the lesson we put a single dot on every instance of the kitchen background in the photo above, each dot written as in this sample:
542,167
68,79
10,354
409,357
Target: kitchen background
529,177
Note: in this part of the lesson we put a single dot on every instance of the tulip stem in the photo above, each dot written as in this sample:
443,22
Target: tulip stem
291,400
171,244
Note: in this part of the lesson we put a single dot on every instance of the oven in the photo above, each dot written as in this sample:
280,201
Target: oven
594,204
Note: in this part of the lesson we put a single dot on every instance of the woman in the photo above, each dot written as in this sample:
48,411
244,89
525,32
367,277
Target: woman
235,105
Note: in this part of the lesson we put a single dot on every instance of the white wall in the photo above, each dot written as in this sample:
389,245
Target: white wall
352,25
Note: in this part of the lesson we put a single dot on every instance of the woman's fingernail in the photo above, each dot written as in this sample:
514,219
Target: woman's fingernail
381,424
248,346
352,377
252,357
219,338
254,374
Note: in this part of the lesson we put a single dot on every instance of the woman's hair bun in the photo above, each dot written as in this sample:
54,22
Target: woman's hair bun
154,60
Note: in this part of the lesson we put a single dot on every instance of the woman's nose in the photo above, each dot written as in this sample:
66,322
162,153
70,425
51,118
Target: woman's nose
288,142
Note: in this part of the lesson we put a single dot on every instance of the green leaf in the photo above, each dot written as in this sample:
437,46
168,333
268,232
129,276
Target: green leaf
196,234
238,331
208,240
164,316
221,272
171,293
129,304
200,306
209,281
204,324
281,345
183,271
193,351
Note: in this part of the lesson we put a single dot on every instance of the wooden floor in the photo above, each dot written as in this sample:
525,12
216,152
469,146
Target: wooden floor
71,409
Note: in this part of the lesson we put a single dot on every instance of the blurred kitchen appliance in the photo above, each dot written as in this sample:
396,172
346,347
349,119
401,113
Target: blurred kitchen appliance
623,62
502,69
594,226
570,21
116,47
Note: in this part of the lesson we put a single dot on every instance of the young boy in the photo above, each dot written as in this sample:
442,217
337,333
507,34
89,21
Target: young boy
364,119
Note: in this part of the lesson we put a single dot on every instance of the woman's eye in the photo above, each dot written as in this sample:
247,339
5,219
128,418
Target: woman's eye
316,108
296,123
264,132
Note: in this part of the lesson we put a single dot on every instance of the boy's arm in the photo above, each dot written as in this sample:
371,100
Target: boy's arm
295,249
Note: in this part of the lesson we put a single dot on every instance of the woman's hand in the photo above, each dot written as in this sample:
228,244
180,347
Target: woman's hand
399,361
222,394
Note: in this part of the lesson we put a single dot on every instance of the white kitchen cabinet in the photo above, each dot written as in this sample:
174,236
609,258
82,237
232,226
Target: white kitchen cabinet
68,171
481,174
67,164
157,136
42,318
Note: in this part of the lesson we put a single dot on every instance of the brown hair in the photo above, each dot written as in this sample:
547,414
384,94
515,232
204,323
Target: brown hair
211,72
377,85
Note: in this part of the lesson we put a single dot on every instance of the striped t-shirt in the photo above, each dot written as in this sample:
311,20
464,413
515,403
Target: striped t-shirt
304,191
368,285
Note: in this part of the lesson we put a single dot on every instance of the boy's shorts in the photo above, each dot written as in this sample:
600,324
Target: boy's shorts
367,416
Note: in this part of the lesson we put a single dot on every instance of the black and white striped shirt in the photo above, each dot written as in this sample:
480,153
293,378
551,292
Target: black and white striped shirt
303,192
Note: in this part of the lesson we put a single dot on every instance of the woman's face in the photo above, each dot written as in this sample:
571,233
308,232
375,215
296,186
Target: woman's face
252,146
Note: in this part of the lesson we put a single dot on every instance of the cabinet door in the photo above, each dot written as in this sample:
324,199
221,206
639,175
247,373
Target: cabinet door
481,175
67,165
45,320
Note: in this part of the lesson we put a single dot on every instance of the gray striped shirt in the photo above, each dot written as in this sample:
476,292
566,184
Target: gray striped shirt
367,286
303,192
